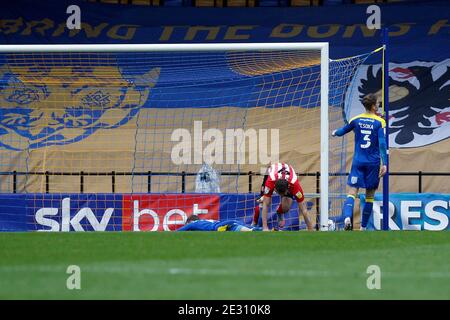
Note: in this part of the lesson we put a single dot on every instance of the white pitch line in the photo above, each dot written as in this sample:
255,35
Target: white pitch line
171,271
268,272
142,269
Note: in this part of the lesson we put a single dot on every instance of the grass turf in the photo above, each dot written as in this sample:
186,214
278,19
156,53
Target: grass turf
225,265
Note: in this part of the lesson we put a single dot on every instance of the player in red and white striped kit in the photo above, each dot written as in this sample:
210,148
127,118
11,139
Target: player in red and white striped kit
281,177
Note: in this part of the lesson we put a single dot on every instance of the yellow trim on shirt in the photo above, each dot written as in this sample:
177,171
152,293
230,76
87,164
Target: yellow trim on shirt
370,116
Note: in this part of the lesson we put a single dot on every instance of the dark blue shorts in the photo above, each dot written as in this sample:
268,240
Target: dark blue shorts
364,176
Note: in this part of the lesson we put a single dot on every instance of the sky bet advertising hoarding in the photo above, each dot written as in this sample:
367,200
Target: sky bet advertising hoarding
116,212
126,212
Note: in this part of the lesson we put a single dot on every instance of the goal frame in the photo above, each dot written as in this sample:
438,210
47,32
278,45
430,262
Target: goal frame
287,46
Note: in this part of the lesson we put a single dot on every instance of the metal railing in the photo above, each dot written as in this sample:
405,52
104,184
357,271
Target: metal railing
184,175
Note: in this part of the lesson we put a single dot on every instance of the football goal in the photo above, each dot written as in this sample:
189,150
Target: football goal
139,136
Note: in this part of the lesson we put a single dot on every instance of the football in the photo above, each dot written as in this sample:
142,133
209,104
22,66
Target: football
331,225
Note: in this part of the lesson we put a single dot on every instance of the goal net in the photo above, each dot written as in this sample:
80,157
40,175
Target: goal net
139,137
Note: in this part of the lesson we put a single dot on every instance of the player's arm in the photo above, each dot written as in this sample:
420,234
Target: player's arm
190,226
263,184
186,227
304,213
259,200
281,220
267,201
383,152
344,130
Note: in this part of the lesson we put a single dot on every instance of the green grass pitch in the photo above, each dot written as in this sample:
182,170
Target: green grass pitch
225,265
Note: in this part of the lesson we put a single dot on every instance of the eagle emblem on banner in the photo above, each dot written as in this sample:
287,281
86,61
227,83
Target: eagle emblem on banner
419,100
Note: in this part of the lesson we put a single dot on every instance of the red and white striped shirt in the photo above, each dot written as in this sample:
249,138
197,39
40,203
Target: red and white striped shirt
282,171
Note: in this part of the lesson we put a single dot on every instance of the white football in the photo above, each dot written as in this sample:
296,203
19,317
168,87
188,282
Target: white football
331,225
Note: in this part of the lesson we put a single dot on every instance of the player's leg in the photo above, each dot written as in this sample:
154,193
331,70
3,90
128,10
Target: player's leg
368,208
242,228
258,208
347,210
256,213
237,226
372,181
304,212
355,181
284,207
299,196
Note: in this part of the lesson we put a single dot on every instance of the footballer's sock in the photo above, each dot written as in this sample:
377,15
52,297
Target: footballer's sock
367,211
347,211
256,215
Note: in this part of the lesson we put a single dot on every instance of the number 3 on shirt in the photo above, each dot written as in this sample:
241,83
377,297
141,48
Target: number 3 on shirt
366,137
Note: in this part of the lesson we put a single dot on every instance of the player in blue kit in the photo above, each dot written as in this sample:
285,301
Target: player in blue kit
370,147
194,223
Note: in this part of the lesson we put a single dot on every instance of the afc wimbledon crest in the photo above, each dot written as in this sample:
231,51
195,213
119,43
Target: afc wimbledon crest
419,105
42,105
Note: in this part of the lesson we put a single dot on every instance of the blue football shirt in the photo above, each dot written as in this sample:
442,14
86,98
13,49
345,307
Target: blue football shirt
206,225
369,135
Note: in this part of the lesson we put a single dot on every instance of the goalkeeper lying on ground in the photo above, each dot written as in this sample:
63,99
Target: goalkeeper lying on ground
194,223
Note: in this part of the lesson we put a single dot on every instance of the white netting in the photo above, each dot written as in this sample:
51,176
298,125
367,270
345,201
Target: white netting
139,123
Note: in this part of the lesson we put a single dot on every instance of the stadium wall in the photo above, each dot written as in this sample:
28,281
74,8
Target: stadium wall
419,77
117,212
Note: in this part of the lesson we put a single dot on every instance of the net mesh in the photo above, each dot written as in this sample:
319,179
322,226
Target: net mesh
78,130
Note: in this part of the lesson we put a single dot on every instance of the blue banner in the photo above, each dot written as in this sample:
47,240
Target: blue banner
419,66
412,211
116,212
13,212
104,212
60,212
423,26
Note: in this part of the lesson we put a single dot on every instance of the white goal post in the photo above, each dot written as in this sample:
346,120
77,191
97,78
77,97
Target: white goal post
323,47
